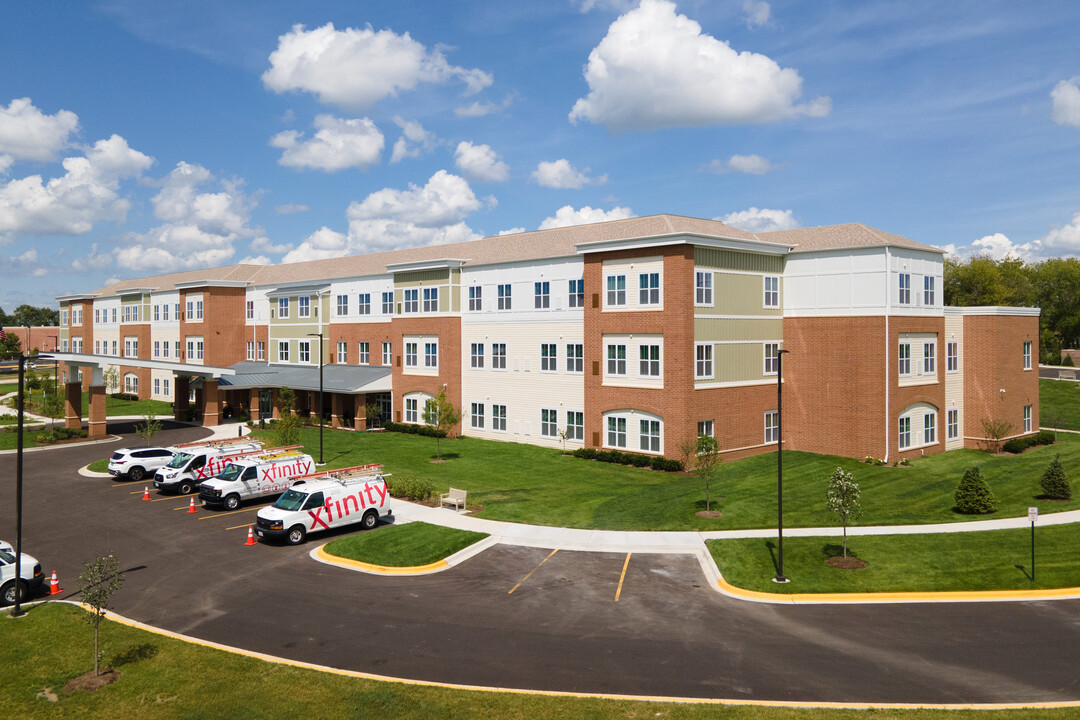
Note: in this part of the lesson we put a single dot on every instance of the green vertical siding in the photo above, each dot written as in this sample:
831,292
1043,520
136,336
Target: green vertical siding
737,260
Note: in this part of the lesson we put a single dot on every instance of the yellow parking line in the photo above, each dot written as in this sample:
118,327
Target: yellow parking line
229,512
171,497
234,527
622,577
531,572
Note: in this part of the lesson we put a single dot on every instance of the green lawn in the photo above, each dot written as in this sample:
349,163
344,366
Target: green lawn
995,560
101,465
407,545
9,440
529,484
162,678
1059,404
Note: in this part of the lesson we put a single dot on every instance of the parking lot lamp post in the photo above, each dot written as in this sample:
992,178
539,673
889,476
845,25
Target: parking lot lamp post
780,466
17,611
322,399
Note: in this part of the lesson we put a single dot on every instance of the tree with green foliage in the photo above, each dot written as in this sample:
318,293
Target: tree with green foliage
110,376
973,496
148,428
996,429
441,414
97,583
287,427
31,316
1054,482
707,464
52,405
10,346
286,400
842,499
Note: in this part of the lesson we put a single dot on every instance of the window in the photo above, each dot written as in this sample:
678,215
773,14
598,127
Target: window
63,317
250,349
131,347
772,358
131,384
1027,418
577,293
165,386
283,351
164,313
303,303
649,288
575,425
904,365
431,355
127,313
411,414
952,424
1027,355
905,433
177,312
498,356
476,356
388,303
157,348
548,357
431,300
363,354
929,428
76,346
772,292
705,428
542,295
410,354
498,418
176,346
260,348
549,423
115,350
303,351
342,352
952,358
97,347
198,312
283,307
64,347
616,359
928,290
703,288
249,310
157,313
772,426
575,358
364,303
649,360
905,289
616,432
703,368
157,386
412,301
387,353
476,416
476,298
342,305
649,436
616,290
929,358
504,297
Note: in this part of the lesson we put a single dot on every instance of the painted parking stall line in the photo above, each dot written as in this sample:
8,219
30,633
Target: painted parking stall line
622,576
511,591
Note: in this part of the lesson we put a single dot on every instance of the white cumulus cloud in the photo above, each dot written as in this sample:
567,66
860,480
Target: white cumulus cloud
567,216
657,69
758,220
357,67
756,12
479,108
291,208
337,144
616,5
751,164
480,163
1066,98
1064,240
561,174
26,133
414,140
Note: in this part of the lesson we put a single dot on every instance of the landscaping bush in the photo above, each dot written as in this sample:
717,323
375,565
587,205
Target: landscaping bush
665,465
1055,483
973,496
425,430
415,489
587,453
125,396
1067,361
619,457
1020,444
56,434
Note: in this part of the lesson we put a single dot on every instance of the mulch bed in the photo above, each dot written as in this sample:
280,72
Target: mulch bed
709,513
91,682
846,563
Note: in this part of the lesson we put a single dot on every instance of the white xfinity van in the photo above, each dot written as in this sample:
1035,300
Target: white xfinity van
195,462
259,475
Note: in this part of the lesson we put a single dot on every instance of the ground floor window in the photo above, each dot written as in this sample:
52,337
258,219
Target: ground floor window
929,428
649,435
165,387
549,422
917,426
952,424
705,428
498,418
575,425
905,433
157,386
1027,414
477,416
616,432
772,426
131,384
411,410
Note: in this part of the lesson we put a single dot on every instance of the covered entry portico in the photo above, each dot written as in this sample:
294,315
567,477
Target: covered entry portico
208,402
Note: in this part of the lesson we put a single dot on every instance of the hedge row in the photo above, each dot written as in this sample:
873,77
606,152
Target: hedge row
1020,444
622,458
51,436
425,430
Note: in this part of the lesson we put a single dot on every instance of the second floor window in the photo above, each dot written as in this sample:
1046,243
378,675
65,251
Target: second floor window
904,364
772,292
431,300
476,301
304,351
703,367
342,305
703,288
616,290
772,355
388,303
649,360
498,356
929,358
412,301
342,353
1027,355
260,350
249,310
575,358
952,358
476,356
363,303
431,355
365,355
542,294
504,296
649,289
548,357
577,293
928,290
283,307
616,360
387,353
905,289
410,354
304,305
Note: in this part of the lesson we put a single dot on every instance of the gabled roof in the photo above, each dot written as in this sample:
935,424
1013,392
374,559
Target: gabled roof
834,237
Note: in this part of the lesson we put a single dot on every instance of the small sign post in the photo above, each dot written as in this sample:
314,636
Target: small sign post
1033,515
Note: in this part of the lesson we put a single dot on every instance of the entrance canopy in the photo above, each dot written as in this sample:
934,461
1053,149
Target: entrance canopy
343,379
97,364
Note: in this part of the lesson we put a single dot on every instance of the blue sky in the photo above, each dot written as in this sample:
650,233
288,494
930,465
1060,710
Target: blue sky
139,138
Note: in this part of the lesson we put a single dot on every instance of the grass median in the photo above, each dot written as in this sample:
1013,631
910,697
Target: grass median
162,678
947,562
1059,404
409,545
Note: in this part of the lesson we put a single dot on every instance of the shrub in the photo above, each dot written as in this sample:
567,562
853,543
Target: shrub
125,396
665,465
1055,483
1067,361
973,496
415,489
587,453
1020,444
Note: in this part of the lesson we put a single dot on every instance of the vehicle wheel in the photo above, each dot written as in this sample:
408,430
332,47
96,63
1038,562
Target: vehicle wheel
371,519
136,473
232,502
186,488
7,593
296,535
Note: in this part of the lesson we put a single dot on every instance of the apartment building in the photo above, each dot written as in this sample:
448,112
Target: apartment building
635,334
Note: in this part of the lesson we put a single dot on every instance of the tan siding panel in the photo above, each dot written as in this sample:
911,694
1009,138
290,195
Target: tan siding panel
735,260
737,329
739,362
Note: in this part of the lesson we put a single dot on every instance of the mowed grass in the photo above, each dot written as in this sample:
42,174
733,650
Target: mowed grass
407,545
529,484
163,678
993,560
1059,404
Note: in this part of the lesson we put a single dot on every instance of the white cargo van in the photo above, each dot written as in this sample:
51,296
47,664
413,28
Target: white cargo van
30,576
324,501
250,476
195,462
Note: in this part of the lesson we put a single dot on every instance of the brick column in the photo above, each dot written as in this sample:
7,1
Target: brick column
96,425
181,390
73,405
211,402
275,404
359,418
253,404
337,406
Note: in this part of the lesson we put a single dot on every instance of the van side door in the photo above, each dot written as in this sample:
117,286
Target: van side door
316,512
250,478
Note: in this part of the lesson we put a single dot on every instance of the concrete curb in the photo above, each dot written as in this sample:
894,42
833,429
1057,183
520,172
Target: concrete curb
457,558
110,439
85,472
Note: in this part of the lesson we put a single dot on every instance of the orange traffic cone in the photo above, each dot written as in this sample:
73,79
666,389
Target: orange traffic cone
54,585
146,493
251,537
191,506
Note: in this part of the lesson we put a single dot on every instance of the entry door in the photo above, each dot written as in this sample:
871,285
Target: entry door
266,403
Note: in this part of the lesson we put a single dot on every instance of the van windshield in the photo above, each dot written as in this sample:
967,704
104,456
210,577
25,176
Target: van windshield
291,500
231,472
180,460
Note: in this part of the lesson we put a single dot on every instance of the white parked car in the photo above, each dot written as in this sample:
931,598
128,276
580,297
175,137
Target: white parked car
137,463
30,572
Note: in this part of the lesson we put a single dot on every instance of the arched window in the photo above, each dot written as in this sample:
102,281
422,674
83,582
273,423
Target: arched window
414,407
634,430
131,384
918,426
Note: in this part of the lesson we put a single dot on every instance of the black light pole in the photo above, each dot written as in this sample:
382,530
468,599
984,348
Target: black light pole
17,611
321,396
780,464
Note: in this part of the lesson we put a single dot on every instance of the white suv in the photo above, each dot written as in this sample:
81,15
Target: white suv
137,463
30,570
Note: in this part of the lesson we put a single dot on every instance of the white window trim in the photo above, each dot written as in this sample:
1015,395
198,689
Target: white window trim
712,361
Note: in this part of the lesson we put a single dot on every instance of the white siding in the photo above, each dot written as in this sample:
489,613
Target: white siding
954,381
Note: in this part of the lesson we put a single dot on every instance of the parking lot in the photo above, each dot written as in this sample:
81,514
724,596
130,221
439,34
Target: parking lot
525,617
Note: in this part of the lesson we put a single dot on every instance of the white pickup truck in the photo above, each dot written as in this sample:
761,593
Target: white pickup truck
259,475
195,462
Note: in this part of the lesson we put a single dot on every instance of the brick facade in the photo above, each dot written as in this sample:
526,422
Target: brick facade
994,363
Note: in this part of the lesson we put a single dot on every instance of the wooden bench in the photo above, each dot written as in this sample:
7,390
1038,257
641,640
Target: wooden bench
1066,374
455,497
